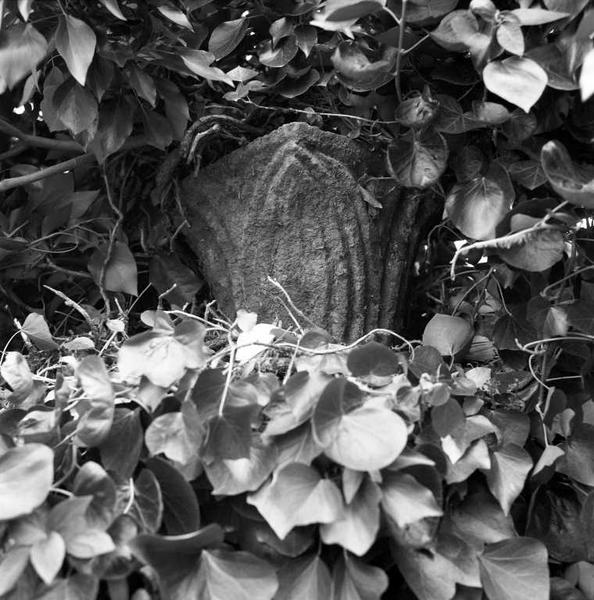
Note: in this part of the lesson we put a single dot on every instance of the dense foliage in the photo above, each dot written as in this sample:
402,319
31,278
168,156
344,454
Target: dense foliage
176,453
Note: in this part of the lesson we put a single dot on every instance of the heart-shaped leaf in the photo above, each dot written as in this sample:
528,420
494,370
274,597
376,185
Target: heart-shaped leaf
477,206
520,81
363,438
304,577
448,334
21,48
76,42
297,495
226,36
48,555
26,475
574,183
515,568
357,527
96,408
418,159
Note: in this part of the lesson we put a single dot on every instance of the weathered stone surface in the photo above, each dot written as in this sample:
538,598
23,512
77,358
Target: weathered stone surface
289,205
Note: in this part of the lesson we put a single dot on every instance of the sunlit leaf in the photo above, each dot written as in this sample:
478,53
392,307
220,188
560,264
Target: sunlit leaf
96,407
510,466
226,36
357,527
515,568
355,579
76,42
48,555
26,475
405,500
297,495
448,334
240,575
573,182
418,159
520,81
305,577
22,47
175,15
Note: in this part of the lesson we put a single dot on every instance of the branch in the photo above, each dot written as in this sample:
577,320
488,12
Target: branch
12,182
38,141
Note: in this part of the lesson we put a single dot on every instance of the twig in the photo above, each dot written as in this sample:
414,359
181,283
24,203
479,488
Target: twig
402,26
75,305
38,141
67,165
276,284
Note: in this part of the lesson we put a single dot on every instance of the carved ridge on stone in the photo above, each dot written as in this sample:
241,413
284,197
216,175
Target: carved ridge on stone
288,205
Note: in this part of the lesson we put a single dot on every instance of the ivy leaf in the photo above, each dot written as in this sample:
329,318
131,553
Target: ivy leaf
306,38
537,16
69,519
304,577
92,480
452,119
418,159
358,72
579,452
528,173
405,500
456,30
345,10
537,252
22,47
587,76
199,62
175,16
113,129
175,557
15,371
301,394
77,586
230,434
357,527
477,207
181,512
121,449
76,42
231,477
120,272
226,36
363,439
26,475
424,12
96,408
373,363
515,568
431,576
37,330
168,435
479,520
509,35
113,7
520,81
354,579
281,54
163,356
77,108
237,575
448,334
510,466
297,495
147,506
12,565
47,556
574,183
